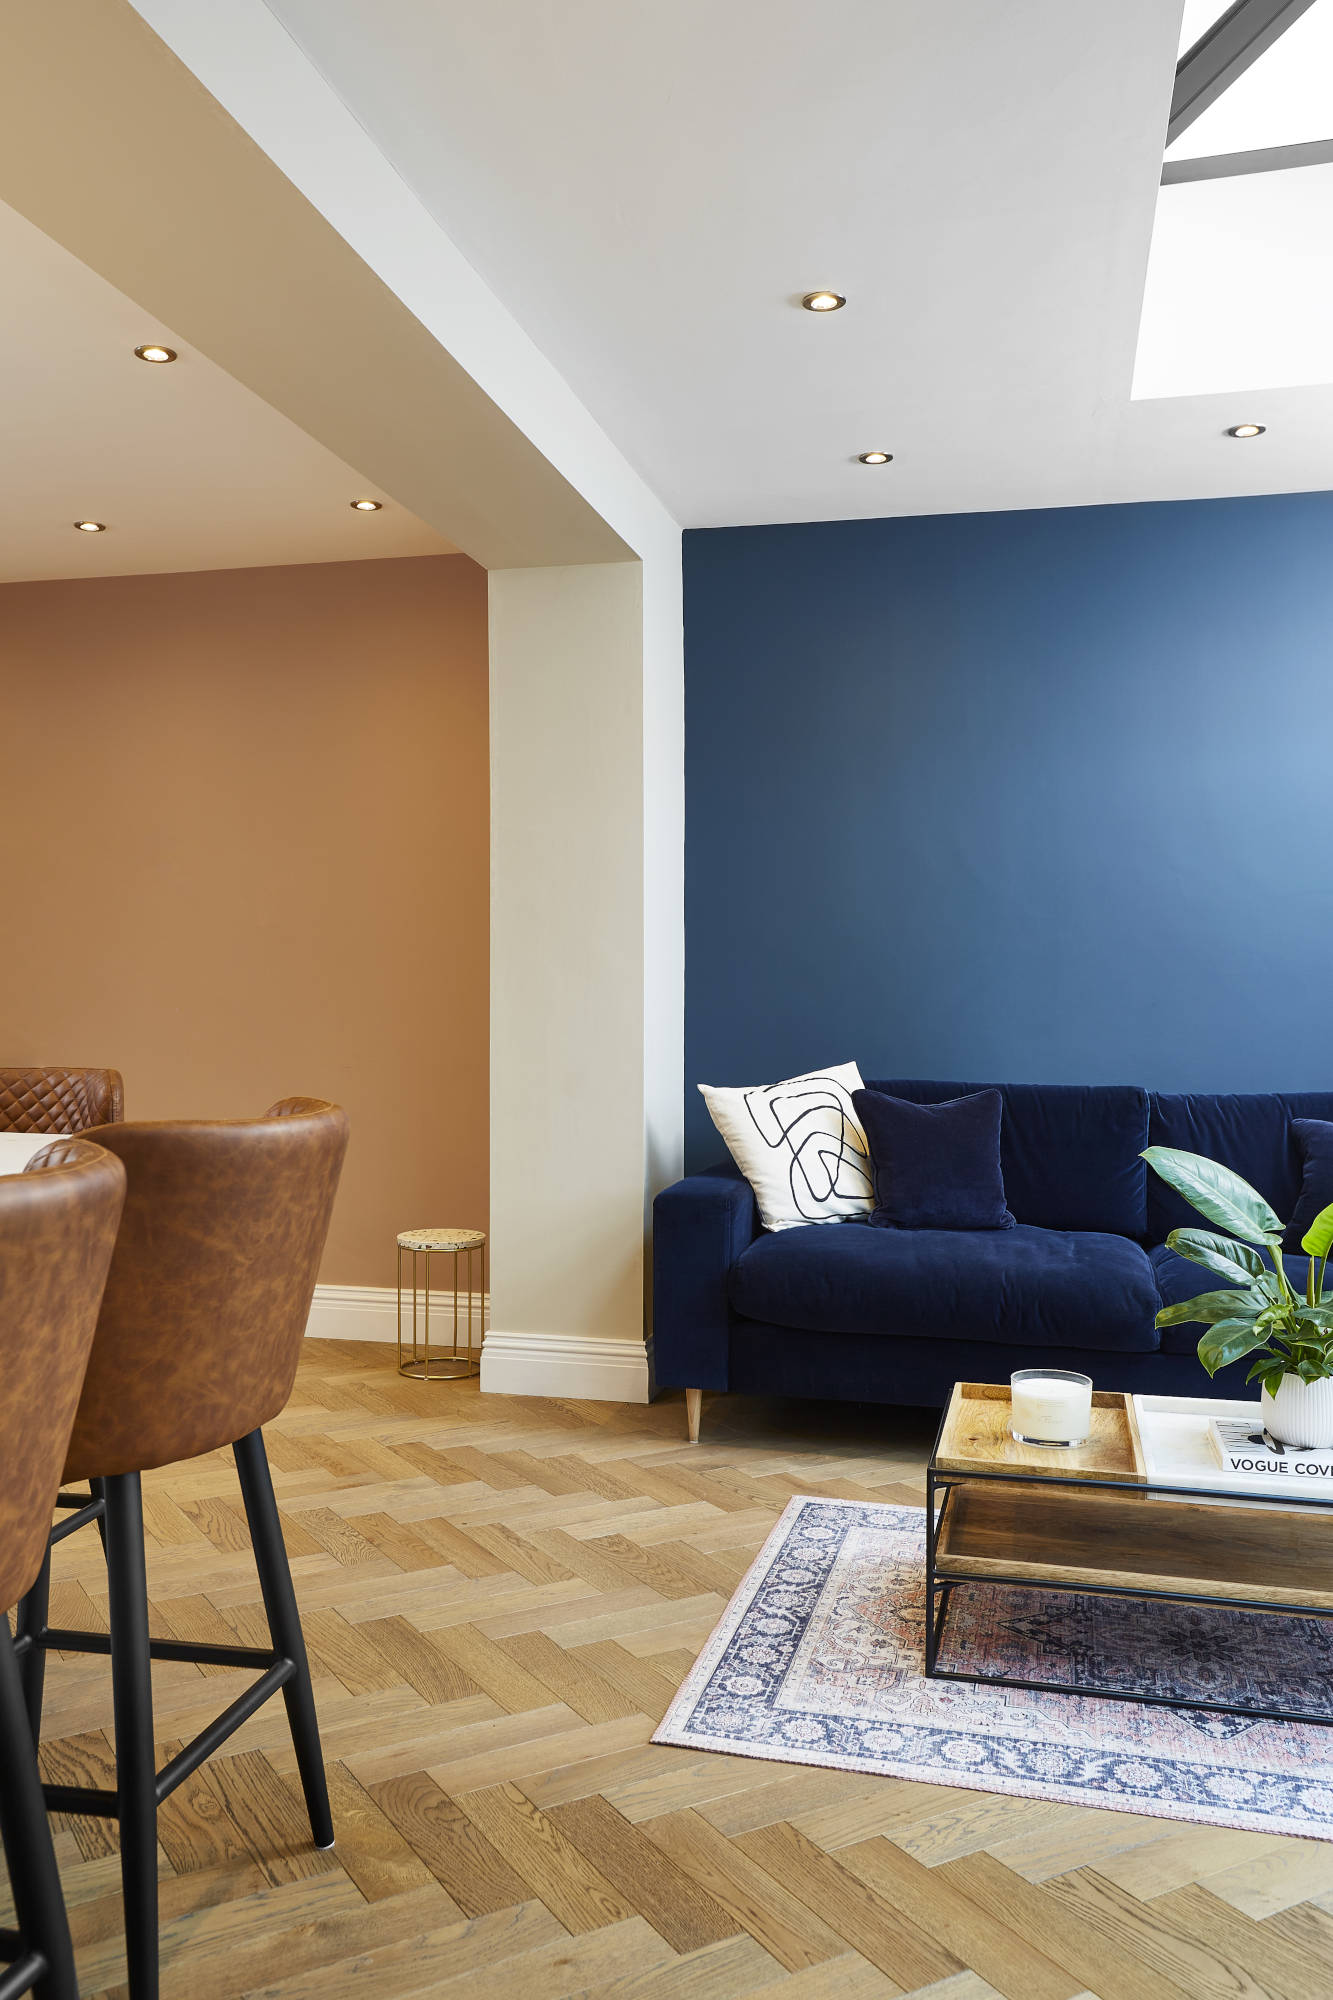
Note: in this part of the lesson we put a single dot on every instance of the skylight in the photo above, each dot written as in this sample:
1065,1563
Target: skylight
1239,294
1285,98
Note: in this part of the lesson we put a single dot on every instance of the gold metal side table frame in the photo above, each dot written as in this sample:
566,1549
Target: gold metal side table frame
445,1362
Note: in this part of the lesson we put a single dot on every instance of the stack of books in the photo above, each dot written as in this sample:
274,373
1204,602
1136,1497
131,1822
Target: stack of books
1242,1446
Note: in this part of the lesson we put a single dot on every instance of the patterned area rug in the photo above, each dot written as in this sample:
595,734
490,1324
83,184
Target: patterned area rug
818,1658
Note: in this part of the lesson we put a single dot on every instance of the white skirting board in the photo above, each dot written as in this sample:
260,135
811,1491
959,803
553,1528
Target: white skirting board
580,1366
370,1312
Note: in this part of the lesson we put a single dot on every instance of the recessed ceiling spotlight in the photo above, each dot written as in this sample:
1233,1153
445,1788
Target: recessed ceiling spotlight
874,457
823,302
1247,430
366,506
153,351
91,527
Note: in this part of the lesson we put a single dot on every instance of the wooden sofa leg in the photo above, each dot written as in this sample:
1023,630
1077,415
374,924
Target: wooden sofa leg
694,1402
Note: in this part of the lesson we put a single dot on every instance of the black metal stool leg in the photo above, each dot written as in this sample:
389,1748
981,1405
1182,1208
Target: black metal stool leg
284,1624
132,1702
97,1487
31,1620
46,1958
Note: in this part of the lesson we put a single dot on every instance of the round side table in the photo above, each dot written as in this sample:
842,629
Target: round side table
446,1361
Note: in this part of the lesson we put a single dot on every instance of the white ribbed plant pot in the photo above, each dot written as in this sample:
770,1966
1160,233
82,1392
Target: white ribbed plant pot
1301,1412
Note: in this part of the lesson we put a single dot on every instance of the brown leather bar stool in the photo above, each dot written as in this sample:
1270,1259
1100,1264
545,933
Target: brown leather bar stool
60,1100
57,1098
196,1348
57,1228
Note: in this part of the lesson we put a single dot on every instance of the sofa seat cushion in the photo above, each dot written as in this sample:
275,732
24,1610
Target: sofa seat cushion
1178,1280
1039,1287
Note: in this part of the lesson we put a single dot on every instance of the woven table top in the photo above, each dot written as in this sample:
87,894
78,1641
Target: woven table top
441,1239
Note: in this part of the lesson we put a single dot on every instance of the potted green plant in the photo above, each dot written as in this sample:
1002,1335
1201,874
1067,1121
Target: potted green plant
1260,1312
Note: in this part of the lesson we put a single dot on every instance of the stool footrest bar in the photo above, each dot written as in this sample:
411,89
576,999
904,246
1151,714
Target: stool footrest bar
90,1801
208,1740
59,1639
22,1976
83,1801
88,1512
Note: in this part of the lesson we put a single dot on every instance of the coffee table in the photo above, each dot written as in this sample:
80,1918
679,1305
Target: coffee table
1092,1518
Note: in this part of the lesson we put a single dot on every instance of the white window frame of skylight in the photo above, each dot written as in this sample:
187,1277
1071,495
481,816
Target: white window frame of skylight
1200,16
1283,100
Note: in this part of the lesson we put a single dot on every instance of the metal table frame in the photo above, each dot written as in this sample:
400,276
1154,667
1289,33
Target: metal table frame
940,1488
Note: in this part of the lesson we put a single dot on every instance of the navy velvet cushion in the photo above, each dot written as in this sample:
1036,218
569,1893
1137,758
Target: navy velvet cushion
1024,1286
936,1166
1314,1143
1069,1151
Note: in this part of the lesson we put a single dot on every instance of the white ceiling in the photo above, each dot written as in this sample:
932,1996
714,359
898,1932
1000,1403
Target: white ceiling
188,469
649,188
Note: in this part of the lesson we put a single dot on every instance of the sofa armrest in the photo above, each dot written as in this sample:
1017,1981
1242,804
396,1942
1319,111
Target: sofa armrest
700,1227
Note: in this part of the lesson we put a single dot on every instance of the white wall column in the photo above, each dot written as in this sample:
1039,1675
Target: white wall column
586,968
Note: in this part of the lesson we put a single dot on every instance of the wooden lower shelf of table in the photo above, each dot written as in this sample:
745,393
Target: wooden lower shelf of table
1043,1533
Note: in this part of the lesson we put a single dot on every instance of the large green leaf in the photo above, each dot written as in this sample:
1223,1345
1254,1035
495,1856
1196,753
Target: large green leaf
1217,1193
1218,1253
1227,1341
1207,1309
1310,1367
1268,1369
1318,1238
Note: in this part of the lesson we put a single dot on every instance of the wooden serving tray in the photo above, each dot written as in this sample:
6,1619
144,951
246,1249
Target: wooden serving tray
975,1438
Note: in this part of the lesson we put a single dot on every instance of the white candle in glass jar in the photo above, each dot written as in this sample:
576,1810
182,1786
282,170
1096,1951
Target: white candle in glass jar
1050,1406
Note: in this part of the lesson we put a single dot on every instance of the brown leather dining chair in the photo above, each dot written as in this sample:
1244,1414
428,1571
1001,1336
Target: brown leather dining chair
57,1227
196,1348
60,1100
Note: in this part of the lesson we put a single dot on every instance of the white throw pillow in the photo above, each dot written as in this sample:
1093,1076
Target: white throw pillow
800,1146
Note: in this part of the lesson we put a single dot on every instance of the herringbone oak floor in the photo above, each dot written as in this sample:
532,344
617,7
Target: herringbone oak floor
500,1596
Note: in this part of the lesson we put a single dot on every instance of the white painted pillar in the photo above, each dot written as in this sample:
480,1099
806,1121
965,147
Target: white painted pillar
586,967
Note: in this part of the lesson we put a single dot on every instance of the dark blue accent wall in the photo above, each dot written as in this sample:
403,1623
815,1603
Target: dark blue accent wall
1038,797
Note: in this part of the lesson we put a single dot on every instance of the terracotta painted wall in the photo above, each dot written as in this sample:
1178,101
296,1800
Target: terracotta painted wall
243,836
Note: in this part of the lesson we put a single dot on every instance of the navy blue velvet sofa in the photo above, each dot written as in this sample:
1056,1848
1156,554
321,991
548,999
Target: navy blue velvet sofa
845,1311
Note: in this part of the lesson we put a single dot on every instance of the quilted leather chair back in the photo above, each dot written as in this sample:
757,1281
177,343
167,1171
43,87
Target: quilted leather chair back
210,1285
57,1228
60,1100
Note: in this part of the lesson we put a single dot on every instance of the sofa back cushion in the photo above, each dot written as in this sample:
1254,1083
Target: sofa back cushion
1069,1152
1251,1135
